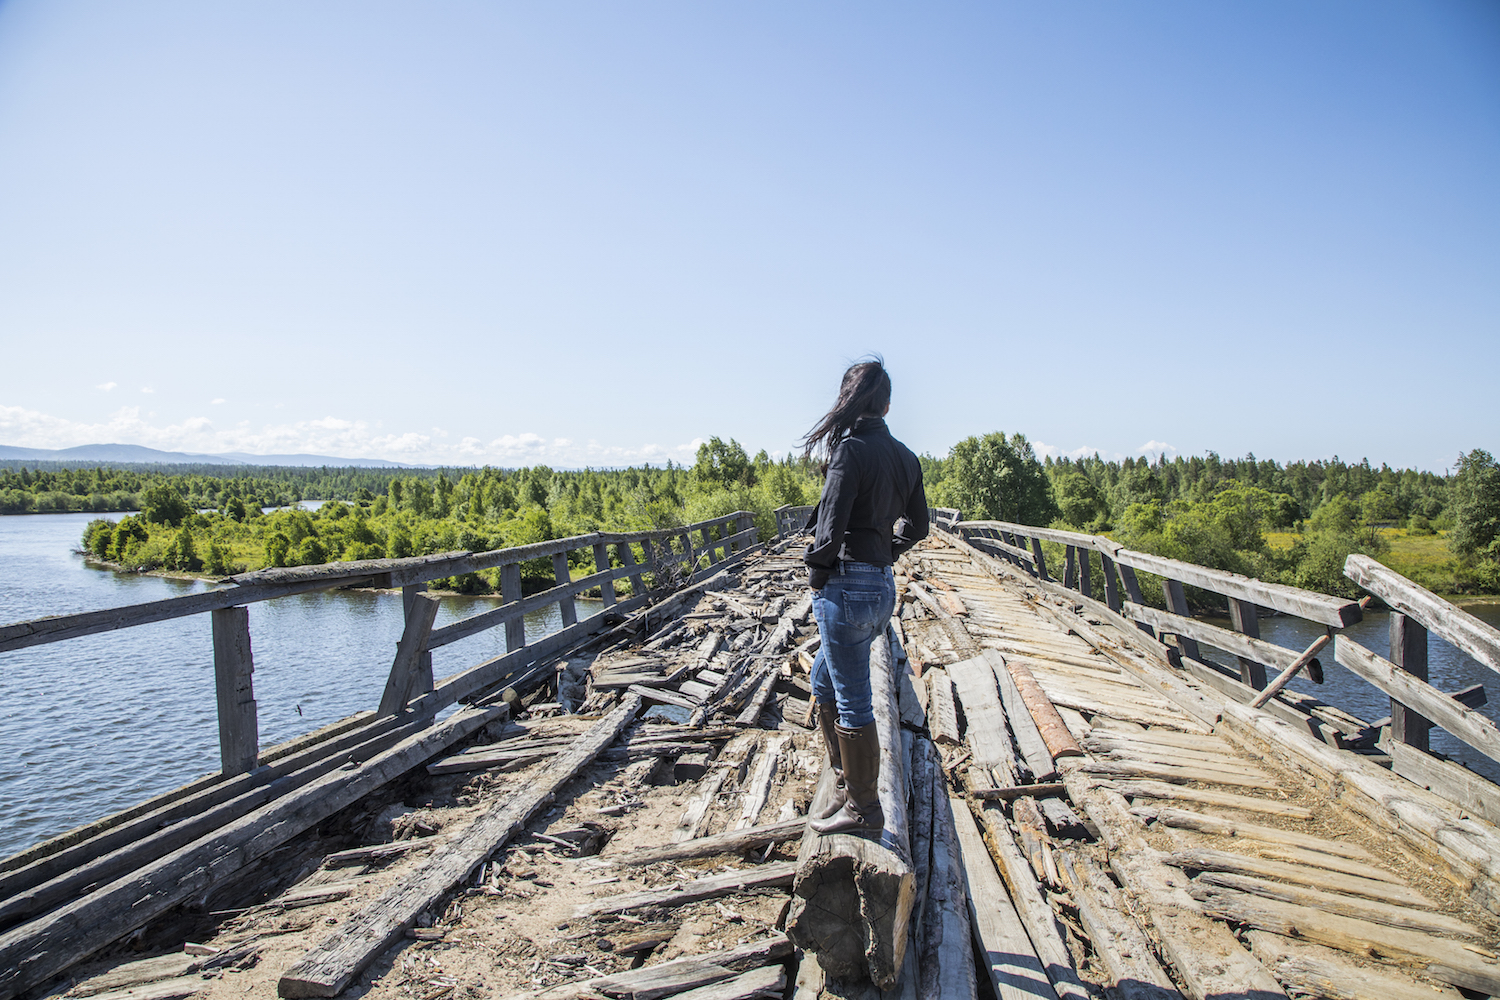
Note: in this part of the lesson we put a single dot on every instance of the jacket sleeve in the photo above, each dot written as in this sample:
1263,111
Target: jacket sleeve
839,491
913,525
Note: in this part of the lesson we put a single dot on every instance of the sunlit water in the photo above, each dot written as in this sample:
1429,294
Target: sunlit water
93,725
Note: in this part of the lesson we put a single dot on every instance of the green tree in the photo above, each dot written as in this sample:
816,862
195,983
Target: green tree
1475,505
164,504
992,478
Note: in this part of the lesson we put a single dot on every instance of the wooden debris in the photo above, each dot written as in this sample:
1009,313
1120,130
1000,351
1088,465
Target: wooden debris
942,714
729,842
1118,941
1049,724
328,969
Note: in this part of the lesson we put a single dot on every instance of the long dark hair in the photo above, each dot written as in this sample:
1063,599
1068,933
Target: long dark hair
865,391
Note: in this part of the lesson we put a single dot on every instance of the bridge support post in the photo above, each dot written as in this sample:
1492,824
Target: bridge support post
1409,652
1070,568
1177,604
601,563
510,590
561,573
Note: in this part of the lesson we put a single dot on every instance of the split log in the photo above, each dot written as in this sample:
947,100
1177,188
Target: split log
663,696
328,969
1034,748
1204,952
766,983
853,895
758,788
1119,942
988,736
667,978
942,714
1204,860
1447,961
1323,972
1343,905
1017,791
730,842
945,953
379,852
1168,792
695,816
1036,914
1043,714
1219,827
1009,959
1173,772
774,875
757,704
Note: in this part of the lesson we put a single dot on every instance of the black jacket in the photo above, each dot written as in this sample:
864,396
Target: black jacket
874,488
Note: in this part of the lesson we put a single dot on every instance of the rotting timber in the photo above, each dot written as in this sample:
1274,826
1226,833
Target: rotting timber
1080,802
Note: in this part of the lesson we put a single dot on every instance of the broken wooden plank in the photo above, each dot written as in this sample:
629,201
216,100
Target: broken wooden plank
1390,914
327,969
1029,739
1206,860
1042,713
1322,972
1207,796
986,730
1119,942
777,874
1218,826
1008,957
942,714
665,978
729,842
1030,903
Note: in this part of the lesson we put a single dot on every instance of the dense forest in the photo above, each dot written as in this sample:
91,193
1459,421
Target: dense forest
1293,523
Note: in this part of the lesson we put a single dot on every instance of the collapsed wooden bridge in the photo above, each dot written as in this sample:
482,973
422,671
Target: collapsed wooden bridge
1080,802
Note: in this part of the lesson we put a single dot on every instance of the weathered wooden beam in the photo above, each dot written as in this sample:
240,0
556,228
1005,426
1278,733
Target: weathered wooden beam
410,651
1293,668
1462,629
1408,643
34,889
1474,793
988,736
510,592
1121,945
1447,961
942,714
1315,607
673,977
1420,919
329,968
1038,708
1474,728
35,952
945,951
234,665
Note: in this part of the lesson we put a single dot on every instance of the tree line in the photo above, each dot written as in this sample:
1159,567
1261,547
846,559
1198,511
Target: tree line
446,510
1224,513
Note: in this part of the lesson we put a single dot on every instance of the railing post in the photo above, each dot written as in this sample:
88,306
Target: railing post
239,729
1133,592
601,563
1409,652
708,544
1242,615
510,591
1070,568
566,605
1111,584
627,558
745,523
1177,604
411,672
1041,560
1085,573
424,665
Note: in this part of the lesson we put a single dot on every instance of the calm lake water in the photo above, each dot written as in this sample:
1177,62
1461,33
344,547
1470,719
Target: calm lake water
93,725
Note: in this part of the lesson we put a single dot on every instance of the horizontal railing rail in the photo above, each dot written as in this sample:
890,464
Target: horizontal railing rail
1416,705
672,557
792,520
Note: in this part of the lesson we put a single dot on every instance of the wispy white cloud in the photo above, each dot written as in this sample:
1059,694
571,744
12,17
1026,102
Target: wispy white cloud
148,390
333,436
218,402
107,386
1043,450
1154,448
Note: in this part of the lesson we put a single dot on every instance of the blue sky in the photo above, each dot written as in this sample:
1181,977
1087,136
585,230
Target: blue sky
598,233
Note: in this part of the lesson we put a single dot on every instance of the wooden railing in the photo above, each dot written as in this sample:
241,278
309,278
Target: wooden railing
1415,704
672,558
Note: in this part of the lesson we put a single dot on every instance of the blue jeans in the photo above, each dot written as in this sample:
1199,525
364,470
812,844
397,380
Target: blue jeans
853,609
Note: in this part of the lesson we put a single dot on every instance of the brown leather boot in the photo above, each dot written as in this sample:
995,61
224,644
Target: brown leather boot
828,722
861,813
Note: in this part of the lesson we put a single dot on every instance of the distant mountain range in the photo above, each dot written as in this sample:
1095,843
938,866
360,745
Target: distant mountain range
135,454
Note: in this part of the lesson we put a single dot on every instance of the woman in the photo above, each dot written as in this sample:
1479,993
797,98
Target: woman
872,510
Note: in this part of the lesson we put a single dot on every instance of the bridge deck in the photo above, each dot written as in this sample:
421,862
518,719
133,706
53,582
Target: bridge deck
609,853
